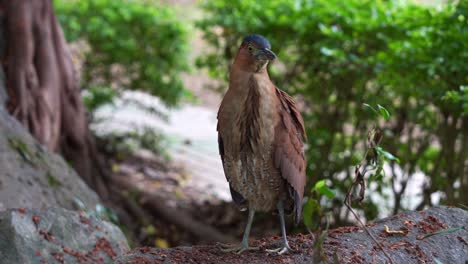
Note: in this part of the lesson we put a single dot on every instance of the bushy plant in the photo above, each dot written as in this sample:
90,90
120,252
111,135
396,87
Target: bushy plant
134,45
336,55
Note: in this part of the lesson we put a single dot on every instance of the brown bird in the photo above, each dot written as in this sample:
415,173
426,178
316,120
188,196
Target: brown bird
260,137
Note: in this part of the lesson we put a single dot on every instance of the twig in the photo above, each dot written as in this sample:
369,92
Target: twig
368,232
373,140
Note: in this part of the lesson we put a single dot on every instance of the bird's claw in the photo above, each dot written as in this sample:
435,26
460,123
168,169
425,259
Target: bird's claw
281,250
238,248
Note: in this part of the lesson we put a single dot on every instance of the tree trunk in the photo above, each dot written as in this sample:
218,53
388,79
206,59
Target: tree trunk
43,87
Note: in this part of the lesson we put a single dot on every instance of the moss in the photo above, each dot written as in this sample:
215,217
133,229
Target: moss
53,181
39,154
22,149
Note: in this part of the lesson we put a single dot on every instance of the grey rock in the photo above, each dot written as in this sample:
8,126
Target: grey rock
57,235
350,244
412,247
33,177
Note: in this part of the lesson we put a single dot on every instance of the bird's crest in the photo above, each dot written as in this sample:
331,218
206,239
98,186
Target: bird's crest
257,40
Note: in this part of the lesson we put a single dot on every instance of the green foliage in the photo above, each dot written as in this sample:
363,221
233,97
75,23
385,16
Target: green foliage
22,149
96,96
459,98
311,211
387,155
340,54
53,181
134,45
121,144
322,189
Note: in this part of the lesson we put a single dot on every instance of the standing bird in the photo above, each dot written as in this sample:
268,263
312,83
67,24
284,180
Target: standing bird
260,137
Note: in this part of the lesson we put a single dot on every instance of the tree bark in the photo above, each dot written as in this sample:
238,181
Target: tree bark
43,87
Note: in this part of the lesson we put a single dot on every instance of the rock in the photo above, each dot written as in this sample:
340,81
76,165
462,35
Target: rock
409,248
343,245
33,177
57,235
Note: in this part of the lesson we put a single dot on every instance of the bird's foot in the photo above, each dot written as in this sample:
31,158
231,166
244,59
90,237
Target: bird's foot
238,248
281,250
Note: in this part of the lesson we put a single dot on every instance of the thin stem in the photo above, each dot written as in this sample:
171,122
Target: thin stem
368,232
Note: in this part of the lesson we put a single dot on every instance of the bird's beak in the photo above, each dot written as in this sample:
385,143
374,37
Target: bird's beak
265,54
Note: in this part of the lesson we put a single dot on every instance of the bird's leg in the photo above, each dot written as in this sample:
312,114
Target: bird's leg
285,245
244,245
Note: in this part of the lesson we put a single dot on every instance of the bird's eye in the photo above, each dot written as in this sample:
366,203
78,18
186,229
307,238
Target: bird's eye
250,48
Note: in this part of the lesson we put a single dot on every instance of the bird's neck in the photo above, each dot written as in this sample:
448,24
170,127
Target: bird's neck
241,80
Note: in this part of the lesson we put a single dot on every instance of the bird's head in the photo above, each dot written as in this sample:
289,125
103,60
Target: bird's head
254,53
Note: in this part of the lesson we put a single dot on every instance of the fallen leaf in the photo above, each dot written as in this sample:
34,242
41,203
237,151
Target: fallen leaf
393,232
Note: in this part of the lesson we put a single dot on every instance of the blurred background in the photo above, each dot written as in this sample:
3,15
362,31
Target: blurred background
152,74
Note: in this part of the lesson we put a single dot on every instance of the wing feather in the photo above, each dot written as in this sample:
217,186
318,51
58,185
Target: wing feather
289,148
236,197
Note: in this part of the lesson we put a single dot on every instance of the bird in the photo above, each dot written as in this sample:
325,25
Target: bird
261,139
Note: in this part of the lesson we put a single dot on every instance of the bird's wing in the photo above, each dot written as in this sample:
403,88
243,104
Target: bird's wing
236,197
289,148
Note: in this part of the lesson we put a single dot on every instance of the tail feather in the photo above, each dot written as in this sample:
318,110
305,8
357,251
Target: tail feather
298,208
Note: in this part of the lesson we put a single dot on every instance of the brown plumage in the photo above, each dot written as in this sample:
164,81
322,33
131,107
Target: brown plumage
260,135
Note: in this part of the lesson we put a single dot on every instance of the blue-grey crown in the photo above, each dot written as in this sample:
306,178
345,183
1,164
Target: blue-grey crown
257,40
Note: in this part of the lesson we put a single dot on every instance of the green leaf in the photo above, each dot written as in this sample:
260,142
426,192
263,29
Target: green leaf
311,208
384,112
387,155
322,189
372,108
444,231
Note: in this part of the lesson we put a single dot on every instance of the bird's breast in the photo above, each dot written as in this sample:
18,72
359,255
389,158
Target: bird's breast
248,115
247,123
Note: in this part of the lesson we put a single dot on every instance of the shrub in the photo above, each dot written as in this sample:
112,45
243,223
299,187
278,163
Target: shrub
134,45
336,55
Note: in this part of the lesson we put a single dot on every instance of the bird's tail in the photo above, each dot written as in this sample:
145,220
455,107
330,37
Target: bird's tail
298,208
